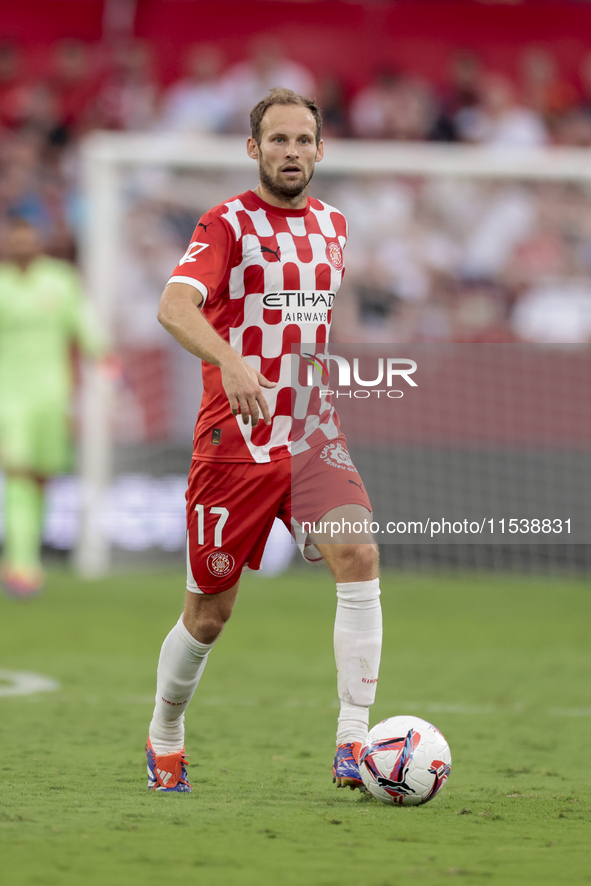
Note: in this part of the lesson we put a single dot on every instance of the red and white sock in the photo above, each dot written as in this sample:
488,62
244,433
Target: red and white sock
180,666
357,647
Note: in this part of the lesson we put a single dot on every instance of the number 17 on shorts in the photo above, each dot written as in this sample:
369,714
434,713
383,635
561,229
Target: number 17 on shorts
230,511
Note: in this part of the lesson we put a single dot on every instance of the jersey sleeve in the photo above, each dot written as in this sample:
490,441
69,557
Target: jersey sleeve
207,263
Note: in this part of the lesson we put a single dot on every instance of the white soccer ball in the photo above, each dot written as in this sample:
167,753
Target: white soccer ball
405,761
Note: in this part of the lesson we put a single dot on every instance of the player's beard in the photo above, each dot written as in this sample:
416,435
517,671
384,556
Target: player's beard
283,189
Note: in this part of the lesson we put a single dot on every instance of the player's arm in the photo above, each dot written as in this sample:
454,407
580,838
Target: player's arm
180,315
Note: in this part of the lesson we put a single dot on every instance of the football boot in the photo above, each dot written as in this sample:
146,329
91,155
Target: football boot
167,772
21,583
345,769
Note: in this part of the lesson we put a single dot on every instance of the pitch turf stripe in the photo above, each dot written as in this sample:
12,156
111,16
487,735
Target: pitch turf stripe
414,706
570,712
18,683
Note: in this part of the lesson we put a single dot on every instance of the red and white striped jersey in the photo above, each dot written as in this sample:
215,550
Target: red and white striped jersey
269,277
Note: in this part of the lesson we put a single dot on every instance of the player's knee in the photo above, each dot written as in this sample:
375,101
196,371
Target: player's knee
205,625
210,630
366,556
205,628
357,562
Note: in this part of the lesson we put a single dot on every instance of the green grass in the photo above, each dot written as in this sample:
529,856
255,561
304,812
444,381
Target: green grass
500,664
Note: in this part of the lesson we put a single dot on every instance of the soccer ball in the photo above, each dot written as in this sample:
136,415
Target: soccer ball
405,761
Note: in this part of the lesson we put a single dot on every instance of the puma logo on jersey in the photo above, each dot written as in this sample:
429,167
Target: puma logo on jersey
194,249
277,253
361,487
205,227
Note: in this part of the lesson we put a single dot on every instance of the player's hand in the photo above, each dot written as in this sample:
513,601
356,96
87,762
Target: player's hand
243,386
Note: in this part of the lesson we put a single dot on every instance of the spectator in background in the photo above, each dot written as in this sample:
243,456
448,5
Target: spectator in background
554,311
331,98
199,102
370,107
394,106
500,119
26,104
74,87
266,67
14,85
462,92
544,90
127,97
39,112
41,317
466,73
574,126
479,314
585,70
507,220
21,181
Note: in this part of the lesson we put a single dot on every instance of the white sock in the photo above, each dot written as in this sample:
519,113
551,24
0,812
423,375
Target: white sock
353,724
357,648
181,663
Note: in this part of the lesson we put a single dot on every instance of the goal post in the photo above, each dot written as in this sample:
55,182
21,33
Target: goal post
108,158
99,253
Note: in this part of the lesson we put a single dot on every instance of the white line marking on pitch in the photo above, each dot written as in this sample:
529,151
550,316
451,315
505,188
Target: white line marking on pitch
20,683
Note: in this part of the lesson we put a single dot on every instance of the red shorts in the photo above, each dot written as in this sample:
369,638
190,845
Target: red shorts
231,507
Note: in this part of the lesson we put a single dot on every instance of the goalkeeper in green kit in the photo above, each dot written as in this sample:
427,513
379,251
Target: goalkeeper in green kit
42,315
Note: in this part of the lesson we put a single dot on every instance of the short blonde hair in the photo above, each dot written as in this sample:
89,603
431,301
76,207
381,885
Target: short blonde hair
280,96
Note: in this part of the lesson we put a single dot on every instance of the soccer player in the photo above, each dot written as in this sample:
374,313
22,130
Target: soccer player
232,301
41,316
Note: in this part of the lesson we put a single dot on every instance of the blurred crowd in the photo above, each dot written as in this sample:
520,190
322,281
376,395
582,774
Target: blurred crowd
427,260
437,259
90,86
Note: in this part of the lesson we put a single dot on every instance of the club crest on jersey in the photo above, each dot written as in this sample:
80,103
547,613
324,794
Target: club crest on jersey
220,563
334,254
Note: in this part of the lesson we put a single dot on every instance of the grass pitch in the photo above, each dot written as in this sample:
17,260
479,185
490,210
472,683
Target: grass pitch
500,664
